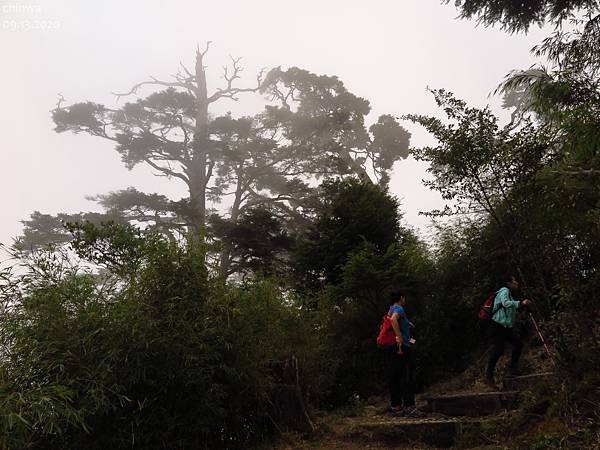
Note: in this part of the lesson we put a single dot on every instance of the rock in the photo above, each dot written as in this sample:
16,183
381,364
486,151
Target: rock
395,432
473,404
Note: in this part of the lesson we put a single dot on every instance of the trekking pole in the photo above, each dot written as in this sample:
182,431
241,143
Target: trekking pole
539,333
537,328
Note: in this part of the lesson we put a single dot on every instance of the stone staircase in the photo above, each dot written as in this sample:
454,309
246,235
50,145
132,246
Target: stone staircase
471,404
401,432
450,417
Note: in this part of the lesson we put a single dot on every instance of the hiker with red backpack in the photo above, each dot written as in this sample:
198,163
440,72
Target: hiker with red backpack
395,339
503,314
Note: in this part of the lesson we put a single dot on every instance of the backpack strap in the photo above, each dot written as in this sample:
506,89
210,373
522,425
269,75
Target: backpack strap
495,310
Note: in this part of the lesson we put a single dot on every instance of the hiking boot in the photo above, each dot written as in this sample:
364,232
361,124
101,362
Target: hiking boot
412,412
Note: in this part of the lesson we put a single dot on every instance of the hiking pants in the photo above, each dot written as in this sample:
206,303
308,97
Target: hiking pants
500,336
402,377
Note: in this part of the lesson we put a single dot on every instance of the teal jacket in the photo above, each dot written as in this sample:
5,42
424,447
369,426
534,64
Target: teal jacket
505,307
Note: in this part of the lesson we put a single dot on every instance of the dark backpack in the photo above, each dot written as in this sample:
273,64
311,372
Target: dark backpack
487,310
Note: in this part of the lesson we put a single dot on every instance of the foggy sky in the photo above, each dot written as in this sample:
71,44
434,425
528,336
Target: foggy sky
387,51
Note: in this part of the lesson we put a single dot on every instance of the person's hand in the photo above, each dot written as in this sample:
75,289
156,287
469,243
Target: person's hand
526,302
399,342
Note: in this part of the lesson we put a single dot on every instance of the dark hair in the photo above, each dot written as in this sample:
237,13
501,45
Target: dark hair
395,295
507,278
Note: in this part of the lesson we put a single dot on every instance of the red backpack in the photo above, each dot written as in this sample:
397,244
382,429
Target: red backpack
487,311
386,336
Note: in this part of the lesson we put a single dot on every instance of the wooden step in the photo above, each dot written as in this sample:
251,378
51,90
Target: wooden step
395,432
472,404
529,381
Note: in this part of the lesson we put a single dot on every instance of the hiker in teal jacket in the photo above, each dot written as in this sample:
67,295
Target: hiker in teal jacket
504,314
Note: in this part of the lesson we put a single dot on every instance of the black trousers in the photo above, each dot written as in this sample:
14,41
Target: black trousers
402,377
500,336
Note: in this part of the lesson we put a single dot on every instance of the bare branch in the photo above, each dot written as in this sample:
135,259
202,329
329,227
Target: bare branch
153,82
185,69
167,172
186,138
580,171
230,91
60,100
205,50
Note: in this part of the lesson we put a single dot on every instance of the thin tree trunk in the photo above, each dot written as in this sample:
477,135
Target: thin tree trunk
225,257
198,173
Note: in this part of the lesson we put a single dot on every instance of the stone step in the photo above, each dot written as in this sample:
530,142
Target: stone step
529,381
397,432
472,404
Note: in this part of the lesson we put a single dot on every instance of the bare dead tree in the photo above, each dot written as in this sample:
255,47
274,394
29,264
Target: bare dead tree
197,166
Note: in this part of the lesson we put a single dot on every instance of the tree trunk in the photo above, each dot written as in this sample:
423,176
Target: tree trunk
288,411
198,173
225,257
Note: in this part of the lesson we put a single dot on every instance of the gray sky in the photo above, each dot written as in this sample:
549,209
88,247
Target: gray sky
387,51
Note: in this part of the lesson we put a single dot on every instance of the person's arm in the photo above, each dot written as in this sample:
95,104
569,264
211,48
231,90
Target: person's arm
396,327
506,299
